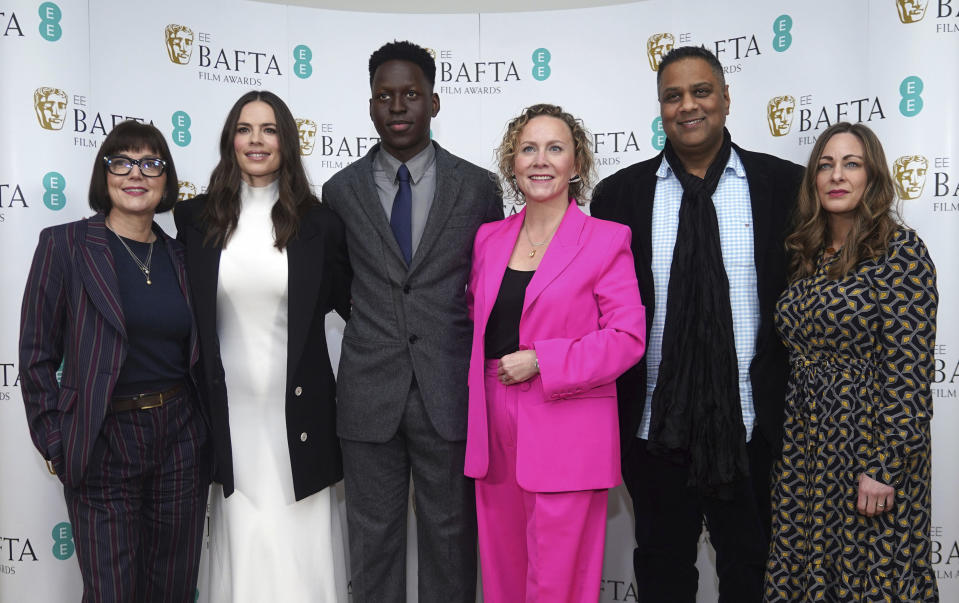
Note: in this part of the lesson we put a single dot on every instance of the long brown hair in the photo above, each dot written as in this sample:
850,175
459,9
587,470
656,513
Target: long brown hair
222,209
875,221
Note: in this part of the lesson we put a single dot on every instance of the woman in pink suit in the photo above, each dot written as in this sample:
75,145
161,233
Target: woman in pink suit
557,318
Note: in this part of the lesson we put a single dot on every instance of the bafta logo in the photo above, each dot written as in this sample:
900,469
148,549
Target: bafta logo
658,46
910,174
911,11
50,105
307,131
179,43
187,190
779,114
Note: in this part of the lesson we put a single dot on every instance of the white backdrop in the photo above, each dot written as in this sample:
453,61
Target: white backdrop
71,69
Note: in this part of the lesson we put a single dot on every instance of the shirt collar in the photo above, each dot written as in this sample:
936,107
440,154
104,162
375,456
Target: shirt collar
417,165
734,164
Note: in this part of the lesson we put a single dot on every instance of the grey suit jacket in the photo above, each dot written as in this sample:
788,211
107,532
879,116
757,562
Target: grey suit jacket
408,321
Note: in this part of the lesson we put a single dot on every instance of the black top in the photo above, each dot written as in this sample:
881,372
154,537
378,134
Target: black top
502,329
156,317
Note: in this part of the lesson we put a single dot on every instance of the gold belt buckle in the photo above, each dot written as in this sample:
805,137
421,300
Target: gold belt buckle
157,405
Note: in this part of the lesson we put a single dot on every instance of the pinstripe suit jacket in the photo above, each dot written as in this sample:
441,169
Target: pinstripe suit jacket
72,314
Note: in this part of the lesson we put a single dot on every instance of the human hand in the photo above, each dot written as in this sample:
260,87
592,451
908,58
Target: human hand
875,497
517,367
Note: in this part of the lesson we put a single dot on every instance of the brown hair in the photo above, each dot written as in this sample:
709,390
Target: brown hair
132,135
222,209
583,154
875,222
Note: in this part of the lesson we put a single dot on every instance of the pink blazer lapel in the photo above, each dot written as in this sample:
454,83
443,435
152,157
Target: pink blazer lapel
564,247
499,248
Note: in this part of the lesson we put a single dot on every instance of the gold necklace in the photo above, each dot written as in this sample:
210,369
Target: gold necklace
532,252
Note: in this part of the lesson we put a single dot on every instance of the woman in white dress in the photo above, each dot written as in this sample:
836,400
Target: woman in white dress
267,262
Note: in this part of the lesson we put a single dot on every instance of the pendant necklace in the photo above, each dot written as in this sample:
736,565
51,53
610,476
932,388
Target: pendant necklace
143,266
532,252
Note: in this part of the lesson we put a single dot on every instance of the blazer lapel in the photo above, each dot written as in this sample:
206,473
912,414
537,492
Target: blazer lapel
204,276
305,259
444,198
178,255
368,198
99,274
498,250
760,194
561,251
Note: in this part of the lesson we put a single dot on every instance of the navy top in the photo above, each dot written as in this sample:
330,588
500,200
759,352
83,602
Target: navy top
502,329
156,317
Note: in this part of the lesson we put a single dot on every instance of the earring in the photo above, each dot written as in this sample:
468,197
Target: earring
575,179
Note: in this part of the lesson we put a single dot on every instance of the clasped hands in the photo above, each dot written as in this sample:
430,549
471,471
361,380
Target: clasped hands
517,367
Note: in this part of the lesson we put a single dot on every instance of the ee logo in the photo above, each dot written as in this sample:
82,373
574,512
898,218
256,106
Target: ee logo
782,39
53,186
910,89
302,55
63,541
181,128
541,58
659,136
50,16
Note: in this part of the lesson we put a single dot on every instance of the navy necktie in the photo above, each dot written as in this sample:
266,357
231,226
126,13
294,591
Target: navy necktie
401,218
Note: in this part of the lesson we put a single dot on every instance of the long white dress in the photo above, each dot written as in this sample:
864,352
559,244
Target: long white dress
264,546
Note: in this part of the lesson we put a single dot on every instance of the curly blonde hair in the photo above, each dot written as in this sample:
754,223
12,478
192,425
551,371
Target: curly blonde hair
583,154
876,218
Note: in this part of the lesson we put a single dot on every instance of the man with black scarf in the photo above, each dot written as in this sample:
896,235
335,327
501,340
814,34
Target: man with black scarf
701,415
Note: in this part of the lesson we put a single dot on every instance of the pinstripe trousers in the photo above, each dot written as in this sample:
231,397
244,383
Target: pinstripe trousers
138,514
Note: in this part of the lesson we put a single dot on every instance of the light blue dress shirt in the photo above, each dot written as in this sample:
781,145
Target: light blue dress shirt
735,217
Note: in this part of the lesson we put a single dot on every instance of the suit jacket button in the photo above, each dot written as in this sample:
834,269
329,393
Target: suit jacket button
303,437
298,391
413,338
524,386
406,289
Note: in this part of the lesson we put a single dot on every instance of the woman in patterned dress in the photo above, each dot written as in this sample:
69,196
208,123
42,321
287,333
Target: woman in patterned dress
851,494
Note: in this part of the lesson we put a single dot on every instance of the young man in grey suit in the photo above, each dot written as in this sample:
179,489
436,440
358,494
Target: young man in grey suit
411,211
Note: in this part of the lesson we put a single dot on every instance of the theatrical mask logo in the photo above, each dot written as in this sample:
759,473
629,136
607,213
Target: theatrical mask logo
187,190
50,105
307,131
658,46
911,11
179,43
779,114
910,174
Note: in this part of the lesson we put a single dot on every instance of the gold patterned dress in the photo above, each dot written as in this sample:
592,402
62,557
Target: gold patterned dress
858,402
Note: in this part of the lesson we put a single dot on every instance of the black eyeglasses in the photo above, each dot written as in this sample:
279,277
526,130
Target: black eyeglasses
121,165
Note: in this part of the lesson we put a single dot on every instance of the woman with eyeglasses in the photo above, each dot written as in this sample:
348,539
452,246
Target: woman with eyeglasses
107,301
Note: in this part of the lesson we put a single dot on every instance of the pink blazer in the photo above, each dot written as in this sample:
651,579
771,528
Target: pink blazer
584,317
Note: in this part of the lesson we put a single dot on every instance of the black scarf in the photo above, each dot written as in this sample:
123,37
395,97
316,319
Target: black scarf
696,413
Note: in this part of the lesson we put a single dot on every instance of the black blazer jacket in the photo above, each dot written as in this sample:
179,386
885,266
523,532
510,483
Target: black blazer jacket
627,197
319,281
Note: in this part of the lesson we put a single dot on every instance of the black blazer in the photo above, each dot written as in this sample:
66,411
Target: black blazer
319,281
627,197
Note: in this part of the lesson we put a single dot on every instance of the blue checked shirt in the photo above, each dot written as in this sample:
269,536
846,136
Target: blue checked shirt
735,216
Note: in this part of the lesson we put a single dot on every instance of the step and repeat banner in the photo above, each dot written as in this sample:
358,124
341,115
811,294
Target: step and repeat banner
72,69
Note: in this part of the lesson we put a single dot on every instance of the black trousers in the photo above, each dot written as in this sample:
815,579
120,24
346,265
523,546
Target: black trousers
669,519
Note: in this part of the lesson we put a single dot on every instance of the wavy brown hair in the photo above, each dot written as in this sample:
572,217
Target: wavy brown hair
875,221
582,153
222,209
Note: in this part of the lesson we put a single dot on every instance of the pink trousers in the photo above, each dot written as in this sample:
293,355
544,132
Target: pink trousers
534,546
